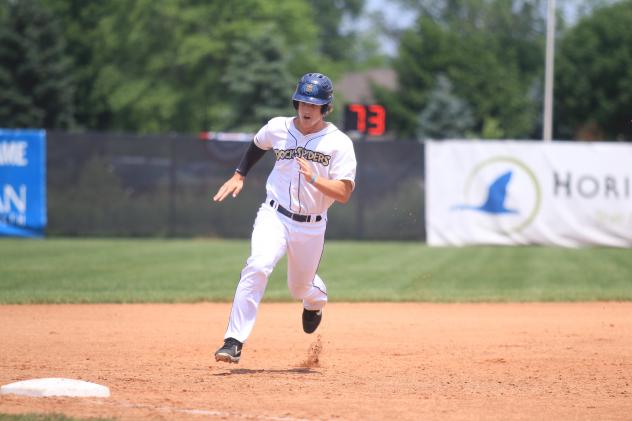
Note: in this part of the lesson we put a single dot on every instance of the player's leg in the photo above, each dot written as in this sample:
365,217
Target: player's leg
305,249
268,245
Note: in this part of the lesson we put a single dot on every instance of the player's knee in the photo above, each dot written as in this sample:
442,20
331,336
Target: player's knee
299,291
259,266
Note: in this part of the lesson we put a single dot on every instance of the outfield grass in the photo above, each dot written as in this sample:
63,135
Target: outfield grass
143,270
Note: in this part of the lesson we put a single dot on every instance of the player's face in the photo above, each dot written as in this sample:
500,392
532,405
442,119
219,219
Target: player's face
310,119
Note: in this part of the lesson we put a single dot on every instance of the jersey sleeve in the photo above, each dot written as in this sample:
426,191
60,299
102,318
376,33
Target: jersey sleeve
343,164
262,139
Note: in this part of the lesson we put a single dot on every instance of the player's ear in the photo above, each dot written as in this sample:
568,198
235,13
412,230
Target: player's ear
326,109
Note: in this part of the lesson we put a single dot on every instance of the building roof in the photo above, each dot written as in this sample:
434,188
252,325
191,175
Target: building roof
356,86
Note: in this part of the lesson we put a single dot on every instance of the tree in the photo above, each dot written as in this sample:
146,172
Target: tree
490,50
446,116
80,20
334,43
593,85
257,79
35,72
147,66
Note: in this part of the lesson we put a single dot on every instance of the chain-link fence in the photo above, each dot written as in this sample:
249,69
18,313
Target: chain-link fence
162,185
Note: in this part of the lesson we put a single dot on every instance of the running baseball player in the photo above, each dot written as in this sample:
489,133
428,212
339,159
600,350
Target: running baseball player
315,166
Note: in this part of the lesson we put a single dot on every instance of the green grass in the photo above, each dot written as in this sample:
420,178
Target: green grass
143,270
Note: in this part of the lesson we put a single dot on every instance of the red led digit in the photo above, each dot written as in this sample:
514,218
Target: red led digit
376,120
360,112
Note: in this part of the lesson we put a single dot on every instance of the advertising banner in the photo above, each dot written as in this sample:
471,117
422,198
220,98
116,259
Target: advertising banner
22,182
515,192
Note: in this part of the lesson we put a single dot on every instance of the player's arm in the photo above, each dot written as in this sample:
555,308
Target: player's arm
235,184
339,190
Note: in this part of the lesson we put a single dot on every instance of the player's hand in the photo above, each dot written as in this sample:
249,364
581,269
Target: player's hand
232,186
305,168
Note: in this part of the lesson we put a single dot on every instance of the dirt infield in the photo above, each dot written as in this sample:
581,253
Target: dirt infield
366,361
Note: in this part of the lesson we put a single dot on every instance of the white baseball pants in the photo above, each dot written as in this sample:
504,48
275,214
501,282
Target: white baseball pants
273,236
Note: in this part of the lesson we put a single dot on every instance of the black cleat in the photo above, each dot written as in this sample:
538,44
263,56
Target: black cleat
311,320
230,352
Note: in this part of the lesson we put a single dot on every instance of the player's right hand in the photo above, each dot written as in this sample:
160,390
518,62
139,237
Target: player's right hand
232,186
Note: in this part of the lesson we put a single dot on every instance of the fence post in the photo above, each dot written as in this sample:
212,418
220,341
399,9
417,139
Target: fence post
172,188
360,192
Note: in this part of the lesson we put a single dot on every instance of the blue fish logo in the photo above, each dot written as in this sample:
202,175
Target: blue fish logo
496,197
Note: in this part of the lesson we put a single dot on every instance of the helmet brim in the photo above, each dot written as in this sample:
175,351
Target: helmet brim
310,99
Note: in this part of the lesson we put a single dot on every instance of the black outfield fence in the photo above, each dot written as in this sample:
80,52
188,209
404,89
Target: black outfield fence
162,185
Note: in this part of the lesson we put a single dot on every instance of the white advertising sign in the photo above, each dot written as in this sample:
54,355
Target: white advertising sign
515,192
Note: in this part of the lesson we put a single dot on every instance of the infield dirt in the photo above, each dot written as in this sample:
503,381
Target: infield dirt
370,361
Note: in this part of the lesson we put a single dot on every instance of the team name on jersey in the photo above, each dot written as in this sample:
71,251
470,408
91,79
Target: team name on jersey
301,152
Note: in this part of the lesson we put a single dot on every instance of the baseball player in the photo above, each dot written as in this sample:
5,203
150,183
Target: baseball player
315,166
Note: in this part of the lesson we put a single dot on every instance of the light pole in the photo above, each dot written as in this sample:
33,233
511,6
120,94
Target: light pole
547,132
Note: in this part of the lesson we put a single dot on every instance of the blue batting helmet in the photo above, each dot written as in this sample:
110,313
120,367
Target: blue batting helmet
314,88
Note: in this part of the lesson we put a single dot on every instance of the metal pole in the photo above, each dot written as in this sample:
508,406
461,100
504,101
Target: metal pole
547,132
171,229
360,203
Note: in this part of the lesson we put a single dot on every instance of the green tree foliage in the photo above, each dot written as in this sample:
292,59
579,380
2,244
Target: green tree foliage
79,20
257,79
171,66
190,65
445,115
593,85
164,66
490,50
329,15
36,82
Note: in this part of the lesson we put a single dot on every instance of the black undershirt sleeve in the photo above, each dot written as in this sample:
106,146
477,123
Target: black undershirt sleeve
250,158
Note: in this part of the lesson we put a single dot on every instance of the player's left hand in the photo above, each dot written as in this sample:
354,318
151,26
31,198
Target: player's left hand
233,186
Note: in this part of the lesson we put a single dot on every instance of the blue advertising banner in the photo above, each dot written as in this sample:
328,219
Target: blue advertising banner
22,183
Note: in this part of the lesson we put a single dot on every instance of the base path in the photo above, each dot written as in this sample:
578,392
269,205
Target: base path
366,361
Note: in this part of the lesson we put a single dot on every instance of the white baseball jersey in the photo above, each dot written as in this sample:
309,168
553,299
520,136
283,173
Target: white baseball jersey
275,234
330,151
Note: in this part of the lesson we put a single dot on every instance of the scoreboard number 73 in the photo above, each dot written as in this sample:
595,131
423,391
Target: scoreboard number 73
365,119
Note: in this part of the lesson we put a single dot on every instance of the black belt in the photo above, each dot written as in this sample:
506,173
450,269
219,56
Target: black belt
295,216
